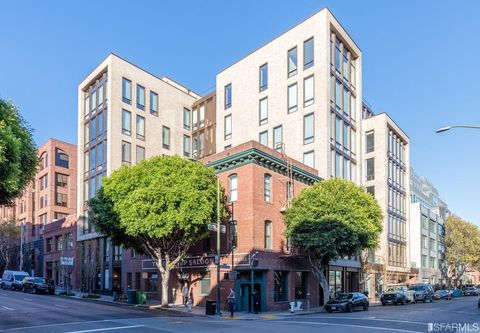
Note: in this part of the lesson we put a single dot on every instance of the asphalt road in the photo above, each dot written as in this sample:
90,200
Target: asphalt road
21,312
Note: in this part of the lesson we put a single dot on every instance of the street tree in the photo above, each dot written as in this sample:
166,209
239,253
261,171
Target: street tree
462,240
18,153
330,220
161,207
9,238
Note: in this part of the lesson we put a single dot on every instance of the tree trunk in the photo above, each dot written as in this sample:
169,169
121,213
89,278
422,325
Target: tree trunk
319,270
165,275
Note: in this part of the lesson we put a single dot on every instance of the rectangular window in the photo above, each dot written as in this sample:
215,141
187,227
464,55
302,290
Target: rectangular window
201,144
308,93
309,159
292,62
308,129
263,138
166,137
280,286
100,123
370,141
267,187
140,97
228,127
61,180
205,284
346,67
300,285
338,130
140,127
424,261
93,158
268,235
186,146
338,54
59,216
93,101
292,98
308,53
263,77
338,165
346,100
432,262
263,111
371,190
228,96
58,243
233,188
100,154
153,103
61,199
127,91
126,152
140,154
424,242
126,122
346,169
278,138
194,147
201,116
93,129
195,119
186,119
338,95
370,168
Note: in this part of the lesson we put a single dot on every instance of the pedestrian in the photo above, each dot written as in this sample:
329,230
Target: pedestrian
256,301
185,294
115,290
231,301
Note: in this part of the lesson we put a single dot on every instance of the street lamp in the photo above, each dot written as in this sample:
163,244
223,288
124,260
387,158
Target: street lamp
446,128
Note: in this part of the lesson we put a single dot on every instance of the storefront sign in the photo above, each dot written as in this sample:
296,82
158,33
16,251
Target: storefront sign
66,261
188,262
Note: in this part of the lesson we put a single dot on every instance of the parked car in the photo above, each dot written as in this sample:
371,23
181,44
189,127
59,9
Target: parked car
443,294
393,296
409,294
1,283
13,279
347,302
470,291
38,285
423,292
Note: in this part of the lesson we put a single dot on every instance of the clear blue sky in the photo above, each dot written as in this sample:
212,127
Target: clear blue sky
420,63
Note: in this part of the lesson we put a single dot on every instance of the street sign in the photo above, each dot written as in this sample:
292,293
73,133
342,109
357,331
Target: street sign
66,261
213,227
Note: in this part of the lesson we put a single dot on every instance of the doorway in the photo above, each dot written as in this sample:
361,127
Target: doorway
246,294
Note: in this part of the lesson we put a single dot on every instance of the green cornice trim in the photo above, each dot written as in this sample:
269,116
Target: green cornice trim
259,157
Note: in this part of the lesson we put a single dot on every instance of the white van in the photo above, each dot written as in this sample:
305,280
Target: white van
13,279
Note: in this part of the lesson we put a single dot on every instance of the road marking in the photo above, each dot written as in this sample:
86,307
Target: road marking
61,306
354,326
106,329
7,308
373,318
59,324
27,299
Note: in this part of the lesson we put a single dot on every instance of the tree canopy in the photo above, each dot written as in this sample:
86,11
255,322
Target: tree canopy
9,237
332,219
161,206
462,240
18,153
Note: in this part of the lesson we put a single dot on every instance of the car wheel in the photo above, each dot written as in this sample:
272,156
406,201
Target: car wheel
403,301
424,300
348,308
34,290
24,290
365,307
329,310
383,303
395,303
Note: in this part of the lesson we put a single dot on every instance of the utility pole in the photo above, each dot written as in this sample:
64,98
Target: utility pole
217,307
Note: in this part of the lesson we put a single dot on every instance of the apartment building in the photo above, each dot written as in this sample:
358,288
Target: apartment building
125,114
385,175
51,196
203,127
427,219
300,93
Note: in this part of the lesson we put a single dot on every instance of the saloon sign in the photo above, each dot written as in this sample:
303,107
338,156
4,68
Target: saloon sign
188,262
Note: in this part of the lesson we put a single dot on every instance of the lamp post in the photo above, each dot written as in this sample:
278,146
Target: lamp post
446,128
217,304
21,246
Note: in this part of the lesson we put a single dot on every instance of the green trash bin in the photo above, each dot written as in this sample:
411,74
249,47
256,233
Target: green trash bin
141,297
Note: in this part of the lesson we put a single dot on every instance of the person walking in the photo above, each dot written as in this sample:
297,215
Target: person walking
185,294
231,301
115,290
256,301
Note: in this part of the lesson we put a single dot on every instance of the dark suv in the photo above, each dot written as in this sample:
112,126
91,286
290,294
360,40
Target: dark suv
38,285
423,292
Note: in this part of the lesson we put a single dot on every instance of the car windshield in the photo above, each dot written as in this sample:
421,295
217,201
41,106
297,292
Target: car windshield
343,297
391,290
19,277
418,288
39,280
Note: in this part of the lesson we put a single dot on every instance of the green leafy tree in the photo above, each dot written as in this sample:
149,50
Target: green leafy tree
161,207
332,219
18,153
9,237
462,241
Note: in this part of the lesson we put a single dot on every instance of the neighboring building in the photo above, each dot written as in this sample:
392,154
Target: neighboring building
125,115
427,214
300,93
60,239
203,128
472,276
385,176
51,196
427,248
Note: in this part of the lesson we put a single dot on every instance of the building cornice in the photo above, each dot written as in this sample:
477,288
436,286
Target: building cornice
261,158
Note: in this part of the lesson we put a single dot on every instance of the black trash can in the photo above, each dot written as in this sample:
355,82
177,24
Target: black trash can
210,307
131,296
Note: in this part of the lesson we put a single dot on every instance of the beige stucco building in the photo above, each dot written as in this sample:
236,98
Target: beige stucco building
301,93
385,175
125,114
